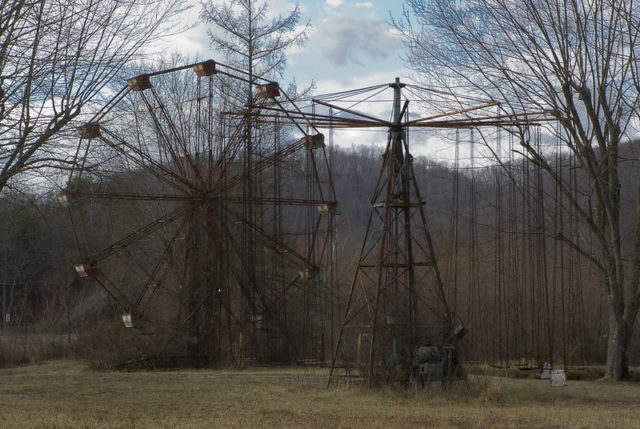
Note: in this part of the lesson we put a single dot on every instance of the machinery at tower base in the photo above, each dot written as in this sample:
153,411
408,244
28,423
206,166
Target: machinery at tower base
439,362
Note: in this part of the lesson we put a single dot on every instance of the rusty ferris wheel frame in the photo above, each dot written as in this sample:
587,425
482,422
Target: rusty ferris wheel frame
209,231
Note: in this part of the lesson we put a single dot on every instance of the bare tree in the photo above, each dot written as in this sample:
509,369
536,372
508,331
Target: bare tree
57,57
251,42
578,58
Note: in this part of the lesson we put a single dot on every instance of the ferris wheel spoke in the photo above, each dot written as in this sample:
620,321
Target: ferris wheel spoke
327,168
161,269
194,311
146,162
236,249
316,174
312,245
298,113
265,305
326,238
266,163
130,196
281,296
143,232
229,153
248,292
269,238
169,133
321,205
115,292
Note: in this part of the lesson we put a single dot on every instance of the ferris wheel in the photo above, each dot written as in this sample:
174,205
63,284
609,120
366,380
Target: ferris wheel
206,226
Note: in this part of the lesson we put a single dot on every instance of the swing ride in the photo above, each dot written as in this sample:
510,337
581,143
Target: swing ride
217,236
397,322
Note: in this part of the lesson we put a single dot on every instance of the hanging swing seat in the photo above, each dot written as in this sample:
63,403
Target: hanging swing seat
459,332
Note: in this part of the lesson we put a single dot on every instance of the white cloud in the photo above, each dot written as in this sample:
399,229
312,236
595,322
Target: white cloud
282,8
192,43
364,4
344,40
334,3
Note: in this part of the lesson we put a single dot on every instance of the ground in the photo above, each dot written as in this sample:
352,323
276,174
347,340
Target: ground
66,394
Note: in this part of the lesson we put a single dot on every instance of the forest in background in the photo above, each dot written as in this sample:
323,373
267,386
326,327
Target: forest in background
517,276
523,298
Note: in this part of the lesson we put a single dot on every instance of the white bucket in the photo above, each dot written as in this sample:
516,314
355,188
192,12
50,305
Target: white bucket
545,373
558,378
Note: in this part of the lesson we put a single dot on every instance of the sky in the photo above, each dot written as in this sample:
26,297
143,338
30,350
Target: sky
351,45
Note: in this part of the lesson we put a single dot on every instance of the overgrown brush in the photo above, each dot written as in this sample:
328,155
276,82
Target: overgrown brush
25,347
109,346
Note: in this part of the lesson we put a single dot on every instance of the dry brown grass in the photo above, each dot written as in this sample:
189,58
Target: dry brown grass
65,394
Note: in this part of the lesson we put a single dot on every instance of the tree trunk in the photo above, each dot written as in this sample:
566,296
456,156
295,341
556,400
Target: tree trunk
618,348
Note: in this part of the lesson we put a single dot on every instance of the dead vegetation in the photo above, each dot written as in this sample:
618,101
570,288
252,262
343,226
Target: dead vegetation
68,394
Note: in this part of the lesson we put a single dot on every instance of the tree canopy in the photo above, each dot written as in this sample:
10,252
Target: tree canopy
57,58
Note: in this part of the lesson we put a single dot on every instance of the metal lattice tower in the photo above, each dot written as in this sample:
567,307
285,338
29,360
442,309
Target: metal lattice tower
396,315
397,288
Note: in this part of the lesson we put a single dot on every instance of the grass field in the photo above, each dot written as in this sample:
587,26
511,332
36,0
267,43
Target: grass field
61,394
